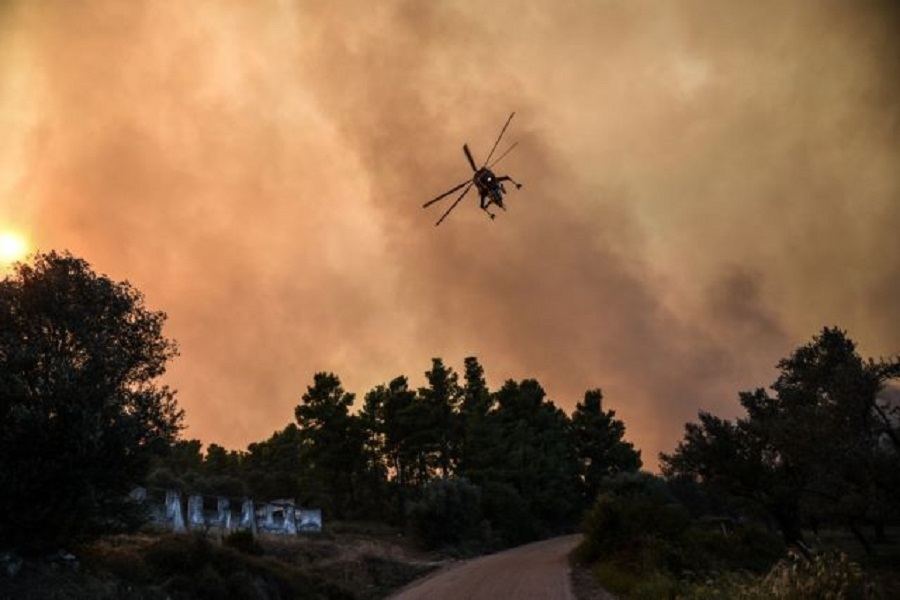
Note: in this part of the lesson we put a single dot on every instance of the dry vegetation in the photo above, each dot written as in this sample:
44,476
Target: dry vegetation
349,561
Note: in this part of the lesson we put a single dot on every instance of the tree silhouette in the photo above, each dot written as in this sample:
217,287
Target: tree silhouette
599,444
822,447
275,468
389,414
480,448
538,459
80,404
441,400
332,443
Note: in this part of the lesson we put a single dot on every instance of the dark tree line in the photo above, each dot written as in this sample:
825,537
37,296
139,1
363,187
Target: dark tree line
821,446
85,419
509,456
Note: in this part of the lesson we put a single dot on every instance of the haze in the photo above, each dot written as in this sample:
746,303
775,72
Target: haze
707,185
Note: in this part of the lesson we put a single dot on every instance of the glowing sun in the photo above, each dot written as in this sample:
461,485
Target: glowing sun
13,247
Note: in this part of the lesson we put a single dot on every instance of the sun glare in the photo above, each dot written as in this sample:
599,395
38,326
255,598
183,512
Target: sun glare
13,247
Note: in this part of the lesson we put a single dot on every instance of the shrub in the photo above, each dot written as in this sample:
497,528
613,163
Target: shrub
636,520
648,546
636,585
244,542
195,567
829,575
508,515
180,554
449,513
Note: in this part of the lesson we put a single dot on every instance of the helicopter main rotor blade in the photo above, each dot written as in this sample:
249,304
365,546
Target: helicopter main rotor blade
503,155
469,156
452,206
502,131
447,193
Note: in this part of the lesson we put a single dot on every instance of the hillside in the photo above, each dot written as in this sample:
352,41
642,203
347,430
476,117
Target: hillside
358,561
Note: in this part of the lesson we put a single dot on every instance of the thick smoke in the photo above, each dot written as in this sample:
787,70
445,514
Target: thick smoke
705,188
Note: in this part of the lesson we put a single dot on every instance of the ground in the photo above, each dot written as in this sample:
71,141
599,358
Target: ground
352,561
358,561
536,571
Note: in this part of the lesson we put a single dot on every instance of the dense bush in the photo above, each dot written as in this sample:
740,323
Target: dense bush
195,567
511,522
743,546
243,541
636,520
449,513
644,544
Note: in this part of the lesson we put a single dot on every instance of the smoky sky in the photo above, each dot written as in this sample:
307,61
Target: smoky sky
706,186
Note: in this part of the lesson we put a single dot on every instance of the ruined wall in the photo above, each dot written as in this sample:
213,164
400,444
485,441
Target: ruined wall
197,512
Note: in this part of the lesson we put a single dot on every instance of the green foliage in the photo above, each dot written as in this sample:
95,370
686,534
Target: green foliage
535,454
164,478
332,445
448,514
646,545
184,456
440,401
637,585
747,547
599,444
224,485
508,514
393,420
184,466
80,404
775,456
638,522
479,447
221,462
273,467
514,444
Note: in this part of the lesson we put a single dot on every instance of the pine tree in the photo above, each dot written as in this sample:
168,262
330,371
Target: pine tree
599,444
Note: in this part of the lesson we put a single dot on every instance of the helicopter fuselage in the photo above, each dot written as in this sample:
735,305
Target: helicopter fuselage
489,186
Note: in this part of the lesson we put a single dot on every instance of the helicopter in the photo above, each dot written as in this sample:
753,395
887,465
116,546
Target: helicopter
490,186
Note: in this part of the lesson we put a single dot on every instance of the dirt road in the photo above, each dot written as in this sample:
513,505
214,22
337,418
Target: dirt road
538,571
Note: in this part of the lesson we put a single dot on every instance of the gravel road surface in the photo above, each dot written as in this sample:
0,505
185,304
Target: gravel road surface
538,571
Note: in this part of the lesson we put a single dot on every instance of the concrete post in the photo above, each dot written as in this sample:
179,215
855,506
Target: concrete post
290,520
174,513
248,516
195,512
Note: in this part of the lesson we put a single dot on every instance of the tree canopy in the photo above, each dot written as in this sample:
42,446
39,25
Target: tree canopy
517,461
80,402
599,444
85,417
822,446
